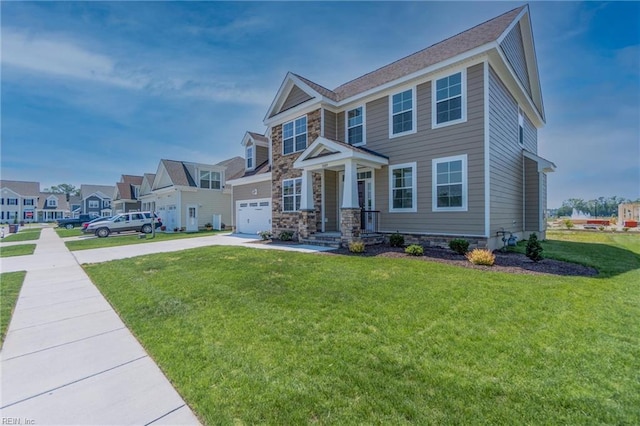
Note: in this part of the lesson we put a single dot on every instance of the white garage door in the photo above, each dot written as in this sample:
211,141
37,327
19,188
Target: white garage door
253,216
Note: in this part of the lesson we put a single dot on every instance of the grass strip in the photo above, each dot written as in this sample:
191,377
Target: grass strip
19,250
10,285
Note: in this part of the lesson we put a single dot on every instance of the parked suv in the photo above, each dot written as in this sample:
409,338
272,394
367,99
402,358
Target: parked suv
132,221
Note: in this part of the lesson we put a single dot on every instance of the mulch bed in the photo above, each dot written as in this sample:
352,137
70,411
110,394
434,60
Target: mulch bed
514,263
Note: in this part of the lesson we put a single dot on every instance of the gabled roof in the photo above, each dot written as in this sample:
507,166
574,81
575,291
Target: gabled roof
63,204
258,137
123,191
131,179
178,173
103,191
23,188
482,37
324,153
234,167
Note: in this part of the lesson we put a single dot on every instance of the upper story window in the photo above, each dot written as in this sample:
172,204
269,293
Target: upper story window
403,113
291,194
520,128
93,204
402,188
450,183
136,191
355,126
28,202
106,203
449,102
52,202
209,180
250,157
294,135
12,201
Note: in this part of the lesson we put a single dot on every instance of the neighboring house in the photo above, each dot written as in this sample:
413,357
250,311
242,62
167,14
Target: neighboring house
146,192
188,195
18,201
96,199
127,193
75,205
53,206
252,190
629,215
438,145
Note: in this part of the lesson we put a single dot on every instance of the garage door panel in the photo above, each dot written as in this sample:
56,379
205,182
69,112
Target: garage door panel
253,216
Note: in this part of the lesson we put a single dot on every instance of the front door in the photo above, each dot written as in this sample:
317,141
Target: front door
192,218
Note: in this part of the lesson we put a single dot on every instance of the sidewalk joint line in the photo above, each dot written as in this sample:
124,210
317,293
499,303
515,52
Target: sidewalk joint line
73,382
63,344
164,415
60,320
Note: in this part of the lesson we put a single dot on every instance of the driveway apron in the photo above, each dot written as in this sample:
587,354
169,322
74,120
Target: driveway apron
69,359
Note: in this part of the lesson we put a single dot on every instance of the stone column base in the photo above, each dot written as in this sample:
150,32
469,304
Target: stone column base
350,224
307,224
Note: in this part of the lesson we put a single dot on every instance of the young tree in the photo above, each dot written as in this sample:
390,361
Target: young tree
63,188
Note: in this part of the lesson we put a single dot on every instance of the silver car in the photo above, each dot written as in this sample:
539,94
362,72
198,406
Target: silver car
132,221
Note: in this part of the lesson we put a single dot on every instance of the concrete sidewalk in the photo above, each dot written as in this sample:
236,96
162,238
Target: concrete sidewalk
68,358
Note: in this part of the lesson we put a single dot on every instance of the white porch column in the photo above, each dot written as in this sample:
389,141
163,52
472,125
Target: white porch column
350,193
306,196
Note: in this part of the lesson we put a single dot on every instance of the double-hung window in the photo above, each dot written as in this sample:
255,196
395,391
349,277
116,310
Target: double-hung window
449,102
403,113
209,179
294,135
12,201
291,194
450,183
93,204
402,188
355,126
250,157
28,202
52,202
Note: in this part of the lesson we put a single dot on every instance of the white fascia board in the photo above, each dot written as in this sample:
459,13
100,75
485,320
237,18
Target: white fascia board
504,70
340,158
288,115
5,189
513,24
289,81
469,55
250,179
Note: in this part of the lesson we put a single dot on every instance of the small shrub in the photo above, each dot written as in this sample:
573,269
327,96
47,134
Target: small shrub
286,236
568,223
534,249
625,229
459,245
265,235
481,257
356,247
601,228
414,250
396,240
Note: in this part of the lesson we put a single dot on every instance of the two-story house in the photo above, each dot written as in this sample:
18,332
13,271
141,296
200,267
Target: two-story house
438,145
127,193
96,199
189,195
18,201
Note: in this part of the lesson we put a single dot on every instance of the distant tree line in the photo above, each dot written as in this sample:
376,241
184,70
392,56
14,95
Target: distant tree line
601,206
63,188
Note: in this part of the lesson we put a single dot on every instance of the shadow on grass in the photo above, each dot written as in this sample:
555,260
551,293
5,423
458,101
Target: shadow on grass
607,259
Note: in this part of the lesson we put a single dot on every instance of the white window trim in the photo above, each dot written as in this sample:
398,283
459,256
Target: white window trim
252,156
414,188
434,189
306,132
414,127
520,126
294,194
211,180
463,102
94,206
364,125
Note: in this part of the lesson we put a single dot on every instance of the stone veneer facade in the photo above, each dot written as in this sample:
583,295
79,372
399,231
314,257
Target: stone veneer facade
282,168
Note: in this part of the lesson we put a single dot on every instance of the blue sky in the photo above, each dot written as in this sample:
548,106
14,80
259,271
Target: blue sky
91,91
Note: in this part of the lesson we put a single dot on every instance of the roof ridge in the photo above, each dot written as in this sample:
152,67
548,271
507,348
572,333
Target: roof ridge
336,90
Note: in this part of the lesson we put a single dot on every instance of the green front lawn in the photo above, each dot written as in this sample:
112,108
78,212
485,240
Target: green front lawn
10,285
23,235
66,233
114,240
264,336
19,250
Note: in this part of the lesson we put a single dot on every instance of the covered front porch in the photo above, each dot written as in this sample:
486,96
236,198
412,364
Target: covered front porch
346,194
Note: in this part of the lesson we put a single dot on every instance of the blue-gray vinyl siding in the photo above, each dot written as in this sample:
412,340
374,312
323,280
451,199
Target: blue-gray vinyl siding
513,49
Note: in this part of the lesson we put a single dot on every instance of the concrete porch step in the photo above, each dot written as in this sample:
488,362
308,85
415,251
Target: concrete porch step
324,242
